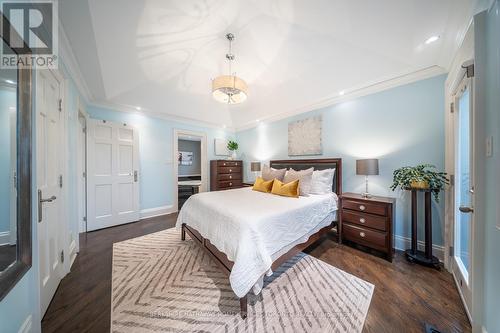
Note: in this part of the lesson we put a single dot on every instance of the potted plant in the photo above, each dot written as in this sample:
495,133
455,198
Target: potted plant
423,176
233,147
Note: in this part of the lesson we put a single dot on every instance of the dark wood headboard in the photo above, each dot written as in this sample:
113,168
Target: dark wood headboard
318,164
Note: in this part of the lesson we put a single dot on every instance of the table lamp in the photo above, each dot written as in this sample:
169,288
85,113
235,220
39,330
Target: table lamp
367,167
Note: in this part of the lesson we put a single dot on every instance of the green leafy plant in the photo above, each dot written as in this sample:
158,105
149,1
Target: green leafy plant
232,145
406,176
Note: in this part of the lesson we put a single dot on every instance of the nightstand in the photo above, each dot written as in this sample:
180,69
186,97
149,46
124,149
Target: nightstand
368,221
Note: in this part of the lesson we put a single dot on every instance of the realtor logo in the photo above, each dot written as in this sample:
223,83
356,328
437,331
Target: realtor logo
30,34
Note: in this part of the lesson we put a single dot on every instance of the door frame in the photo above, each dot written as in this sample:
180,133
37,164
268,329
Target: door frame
204,162
82,223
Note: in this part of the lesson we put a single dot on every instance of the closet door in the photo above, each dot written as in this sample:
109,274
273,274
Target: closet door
113,182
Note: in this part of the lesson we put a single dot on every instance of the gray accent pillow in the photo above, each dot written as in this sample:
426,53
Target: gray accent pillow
270,173
304,177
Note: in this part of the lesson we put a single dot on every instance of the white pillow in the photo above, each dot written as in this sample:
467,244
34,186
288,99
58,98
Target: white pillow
304,177
322,181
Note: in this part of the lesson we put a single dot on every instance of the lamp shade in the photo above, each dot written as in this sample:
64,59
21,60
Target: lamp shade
367,167
229,89
255,166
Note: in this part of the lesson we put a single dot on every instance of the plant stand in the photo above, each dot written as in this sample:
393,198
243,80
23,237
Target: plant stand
414,255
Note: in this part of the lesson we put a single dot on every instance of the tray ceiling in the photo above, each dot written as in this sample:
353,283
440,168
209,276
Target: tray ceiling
161,55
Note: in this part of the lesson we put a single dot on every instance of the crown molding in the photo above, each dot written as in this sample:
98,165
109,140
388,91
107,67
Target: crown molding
161,115
71,65
352,93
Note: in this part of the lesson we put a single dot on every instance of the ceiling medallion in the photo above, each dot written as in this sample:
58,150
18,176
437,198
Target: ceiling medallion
229,89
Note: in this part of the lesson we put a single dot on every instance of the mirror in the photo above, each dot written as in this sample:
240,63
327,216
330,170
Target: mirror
8,167
15,174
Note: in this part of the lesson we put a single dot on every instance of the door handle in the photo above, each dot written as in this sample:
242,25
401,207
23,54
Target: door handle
465,209
40,202
135,176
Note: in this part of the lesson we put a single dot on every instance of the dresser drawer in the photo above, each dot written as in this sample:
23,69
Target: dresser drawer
365,207
234,169
229,176
364,236
230,184
228,163
365,220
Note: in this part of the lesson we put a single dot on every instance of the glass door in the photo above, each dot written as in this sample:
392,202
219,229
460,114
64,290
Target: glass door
464,190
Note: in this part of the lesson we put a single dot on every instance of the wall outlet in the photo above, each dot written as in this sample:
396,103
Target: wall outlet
489,146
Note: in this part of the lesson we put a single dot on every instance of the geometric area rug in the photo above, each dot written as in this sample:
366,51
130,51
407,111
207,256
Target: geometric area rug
163,284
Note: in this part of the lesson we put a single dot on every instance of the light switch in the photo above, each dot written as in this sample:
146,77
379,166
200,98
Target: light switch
489,146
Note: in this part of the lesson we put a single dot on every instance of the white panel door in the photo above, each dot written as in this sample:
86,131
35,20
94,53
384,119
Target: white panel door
464,191
49,165
113,180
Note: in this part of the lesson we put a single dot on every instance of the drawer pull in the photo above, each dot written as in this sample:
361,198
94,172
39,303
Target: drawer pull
230,170
362,234
230,184
362,220
224,164
361,207
230,177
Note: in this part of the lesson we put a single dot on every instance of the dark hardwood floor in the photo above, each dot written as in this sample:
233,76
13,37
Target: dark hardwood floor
406,295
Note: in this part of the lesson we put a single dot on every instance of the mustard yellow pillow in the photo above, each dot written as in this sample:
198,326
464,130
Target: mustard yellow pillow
262,186
290,189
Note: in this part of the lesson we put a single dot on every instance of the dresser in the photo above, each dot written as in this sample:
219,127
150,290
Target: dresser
225,174
368,221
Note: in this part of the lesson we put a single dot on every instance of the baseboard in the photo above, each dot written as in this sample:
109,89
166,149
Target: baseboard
156,211
403,243
26,326
4,237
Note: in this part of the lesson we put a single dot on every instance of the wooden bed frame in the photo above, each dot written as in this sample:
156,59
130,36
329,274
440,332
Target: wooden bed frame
222,259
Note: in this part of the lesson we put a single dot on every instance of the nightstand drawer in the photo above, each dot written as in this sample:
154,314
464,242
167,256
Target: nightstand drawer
229,176
365,207
228,163
232,169
365,220
367,237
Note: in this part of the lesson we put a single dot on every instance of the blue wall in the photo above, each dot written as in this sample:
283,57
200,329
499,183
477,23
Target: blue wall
155,146
401,126
492,164
7,100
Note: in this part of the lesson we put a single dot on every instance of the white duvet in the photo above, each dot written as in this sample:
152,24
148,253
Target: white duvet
254,228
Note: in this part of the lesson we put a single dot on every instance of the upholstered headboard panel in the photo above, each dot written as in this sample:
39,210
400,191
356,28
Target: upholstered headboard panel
317,164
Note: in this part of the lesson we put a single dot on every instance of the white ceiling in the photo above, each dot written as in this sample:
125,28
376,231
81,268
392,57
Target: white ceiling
161,55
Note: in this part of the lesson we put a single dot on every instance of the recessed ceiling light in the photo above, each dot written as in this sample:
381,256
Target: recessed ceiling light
138,108
257,120
431,39
10,82
341,93
224,126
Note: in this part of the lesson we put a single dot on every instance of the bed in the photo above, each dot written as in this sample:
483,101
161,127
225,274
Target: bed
250,234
